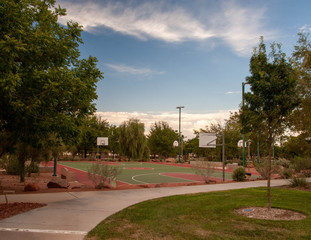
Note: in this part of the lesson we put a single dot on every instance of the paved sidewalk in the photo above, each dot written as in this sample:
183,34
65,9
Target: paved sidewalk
70,215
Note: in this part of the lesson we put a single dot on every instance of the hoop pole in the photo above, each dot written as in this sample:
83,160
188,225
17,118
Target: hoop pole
223,157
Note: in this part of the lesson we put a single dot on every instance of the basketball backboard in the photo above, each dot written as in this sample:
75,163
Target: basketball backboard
102,141
207,140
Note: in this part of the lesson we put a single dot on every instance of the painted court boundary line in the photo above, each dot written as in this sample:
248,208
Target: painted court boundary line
43,231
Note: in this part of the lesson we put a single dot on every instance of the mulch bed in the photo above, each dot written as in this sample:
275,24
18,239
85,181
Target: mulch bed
11,209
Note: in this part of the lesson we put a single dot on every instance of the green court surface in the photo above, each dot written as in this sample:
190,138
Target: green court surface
150,173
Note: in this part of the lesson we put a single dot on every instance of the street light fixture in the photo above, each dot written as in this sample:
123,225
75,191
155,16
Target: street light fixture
180,107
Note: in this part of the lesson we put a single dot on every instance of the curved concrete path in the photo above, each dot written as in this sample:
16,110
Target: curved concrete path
70,215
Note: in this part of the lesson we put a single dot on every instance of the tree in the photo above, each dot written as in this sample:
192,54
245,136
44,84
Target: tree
302,61
161,138
132,140
272,98
114,140
92,128
44,86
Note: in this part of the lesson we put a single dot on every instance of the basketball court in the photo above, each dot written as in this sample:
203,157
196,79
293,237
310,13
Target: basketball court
142,173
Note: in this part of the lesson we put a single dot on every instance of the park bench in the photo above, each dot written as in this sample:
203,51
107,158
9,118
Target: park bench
66,174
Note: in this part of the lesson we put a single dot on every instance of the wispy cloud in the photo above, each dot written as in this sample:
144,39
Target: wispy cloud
189,121
237,25
233,92
132,70
305,28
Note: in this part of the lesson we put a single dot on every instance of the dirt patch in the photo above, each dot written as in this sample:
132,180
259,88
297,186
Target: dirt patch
272,214
11,209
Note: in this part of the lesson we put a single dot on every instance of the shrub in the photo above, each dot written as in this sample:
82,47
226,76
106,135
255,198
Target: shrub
302,164
33,167
11,165
239,174
286,173
298,182
283,162
204,169
102,174
76,158
306,173
262,168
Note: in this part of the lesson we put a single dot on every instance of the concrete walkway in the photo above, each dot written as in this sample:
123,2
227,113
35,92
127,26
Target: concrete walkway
70,215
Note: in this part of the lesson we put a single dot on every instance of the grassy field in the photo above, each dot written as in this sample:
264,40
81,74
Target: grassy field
146,173
208,216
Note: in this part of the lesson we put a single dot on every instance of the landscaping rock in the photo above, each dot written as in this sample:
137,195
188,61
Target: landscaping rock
76,185
58,183
31,187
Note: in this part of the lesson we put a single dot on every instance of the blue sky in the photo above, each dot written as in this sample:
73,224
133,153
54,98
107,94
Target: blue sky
157,55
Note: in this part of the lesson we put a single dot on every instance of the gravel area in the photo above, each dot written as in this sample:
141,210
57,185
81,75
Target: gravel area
272,214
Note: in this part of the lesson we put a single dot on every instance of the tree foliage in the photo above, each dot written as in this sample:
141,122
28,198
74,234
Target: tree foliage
44,86
132,140
161,138
272,98
302,62
91,128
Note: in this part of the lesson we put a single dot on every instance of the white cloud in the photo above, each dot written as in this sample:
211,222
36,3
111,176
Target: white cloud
238,26
305,28
189,121
233,92
131,70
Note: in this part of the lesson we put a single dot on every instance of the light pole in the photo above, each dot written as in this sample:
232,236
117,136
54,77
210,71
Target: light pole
243,135
180,107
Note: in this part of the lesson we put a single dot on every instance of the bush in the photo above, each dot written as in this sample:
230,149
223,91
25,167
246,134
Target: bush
239,174
204,169
33,167
76,158
11,165
102,174
283,162
286,173
262,168
298,182
302,164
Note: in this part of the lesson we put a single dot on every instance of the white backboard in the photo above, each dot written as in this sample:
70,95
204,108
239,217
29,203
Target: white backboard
240,143
207,140
102,141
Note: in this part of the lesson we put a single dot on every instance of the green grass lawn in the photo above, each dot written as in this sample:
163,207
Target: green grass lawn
134,176
208,216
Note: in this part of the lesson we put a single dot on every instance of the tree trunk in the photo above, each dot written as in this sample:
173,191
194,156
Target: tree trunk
269,178
21,165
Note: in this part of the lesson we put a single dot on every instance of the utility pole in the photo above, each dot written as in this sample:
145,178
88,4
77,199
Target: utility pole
179,133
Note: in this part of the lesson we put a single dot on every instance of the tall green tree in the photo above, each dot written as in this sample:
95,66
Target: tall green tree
273,97
132,140
114,136
161,138
44,86
92,128
302,61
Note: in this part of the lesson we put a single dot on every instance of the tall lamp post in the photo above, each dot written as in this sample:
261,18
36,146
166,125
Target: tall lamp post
243,135
180,107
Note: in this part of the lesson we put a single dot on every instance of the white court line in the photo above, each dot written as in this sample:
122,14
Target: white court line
160,174
43,231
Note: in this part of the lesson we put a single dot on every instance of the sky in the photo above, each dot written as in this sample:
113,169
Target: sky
157,55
